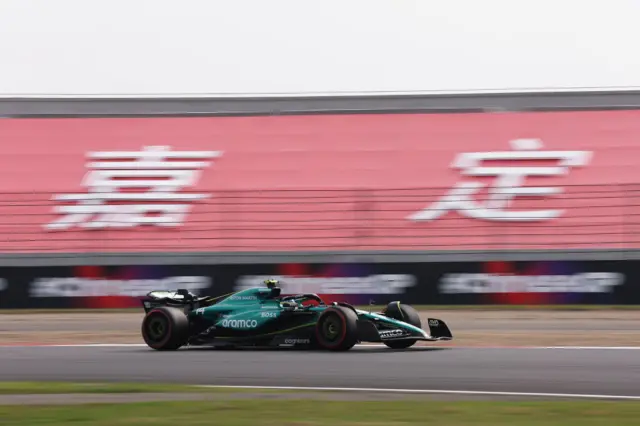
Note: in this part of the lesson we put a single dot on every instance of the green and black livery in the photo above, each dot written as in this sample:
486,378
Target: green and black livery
262,317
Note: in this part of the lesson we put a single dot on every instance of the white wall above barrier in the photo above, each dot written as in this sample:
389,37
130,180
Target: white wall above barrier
283,47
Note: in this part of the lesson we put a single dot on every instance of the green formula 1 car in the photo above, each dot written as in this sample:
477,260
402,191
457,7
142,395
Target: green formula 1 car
261,317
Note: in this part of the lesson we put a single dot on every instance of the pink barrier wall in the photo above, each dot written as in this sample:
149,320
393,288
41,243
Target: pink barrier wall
322,182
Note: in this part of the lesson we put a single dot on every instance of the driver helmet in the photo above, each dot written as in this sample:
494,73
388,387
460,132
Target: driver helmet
271,283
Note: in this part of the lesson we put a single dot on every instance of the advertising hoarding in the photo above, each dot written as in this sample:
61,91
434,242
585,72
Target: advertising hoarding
459,283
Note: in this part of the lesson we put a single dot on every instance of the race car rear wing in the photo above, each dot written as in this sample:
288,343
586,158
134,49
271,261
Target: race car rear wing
180,298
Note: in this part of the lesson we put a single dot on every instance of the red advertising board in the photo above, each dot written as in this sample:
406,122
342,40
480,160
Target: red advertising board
321,182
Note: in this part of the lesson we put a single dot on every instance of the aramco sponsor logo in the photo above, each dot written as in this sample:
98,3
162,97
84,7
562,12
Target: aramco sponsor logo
234,323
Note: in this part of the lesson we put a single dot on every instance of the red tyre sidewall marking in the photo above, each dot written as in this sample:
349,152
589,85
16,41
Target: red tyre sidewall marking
344,331
168,334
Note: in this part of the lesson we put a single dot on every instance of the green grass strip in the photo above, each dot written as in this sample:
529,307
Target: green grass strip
263,412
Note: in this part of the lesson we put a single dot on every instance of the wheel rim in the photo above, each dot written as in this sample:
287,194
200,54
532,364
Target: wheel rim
157,327
331,328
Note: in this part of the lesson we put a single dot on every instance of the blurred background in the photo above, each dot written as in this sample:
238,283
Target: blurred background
474,159
434,146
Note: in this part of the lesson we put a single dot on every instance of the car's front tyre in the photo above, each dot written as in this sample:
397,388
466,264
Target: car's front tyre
405,313
337,329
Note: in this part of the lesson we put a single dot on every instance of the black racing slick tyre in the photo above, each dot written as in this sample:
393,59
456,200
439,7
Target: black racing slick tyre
404,313
165,328
337,329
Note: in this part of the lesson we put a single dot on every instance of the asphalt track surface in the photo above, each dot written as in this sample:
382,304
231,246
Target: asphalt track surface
596,371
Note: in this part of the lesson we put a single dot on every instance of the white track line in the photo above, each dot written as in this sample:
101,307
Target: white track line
87,345
96,345
588,347
364,346
427,391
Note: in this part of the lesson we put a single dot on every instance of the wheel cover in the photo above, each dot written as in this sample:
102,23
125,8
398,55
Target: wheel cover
331,328
157,327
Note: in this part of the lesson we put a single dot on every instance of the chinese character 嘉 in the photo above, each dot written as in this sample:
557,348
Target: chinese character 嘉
123,188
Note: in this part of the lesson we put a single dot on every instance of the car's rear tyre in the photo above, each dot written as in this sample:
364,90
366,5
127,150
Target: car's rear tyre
405,313
165,328
337,329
